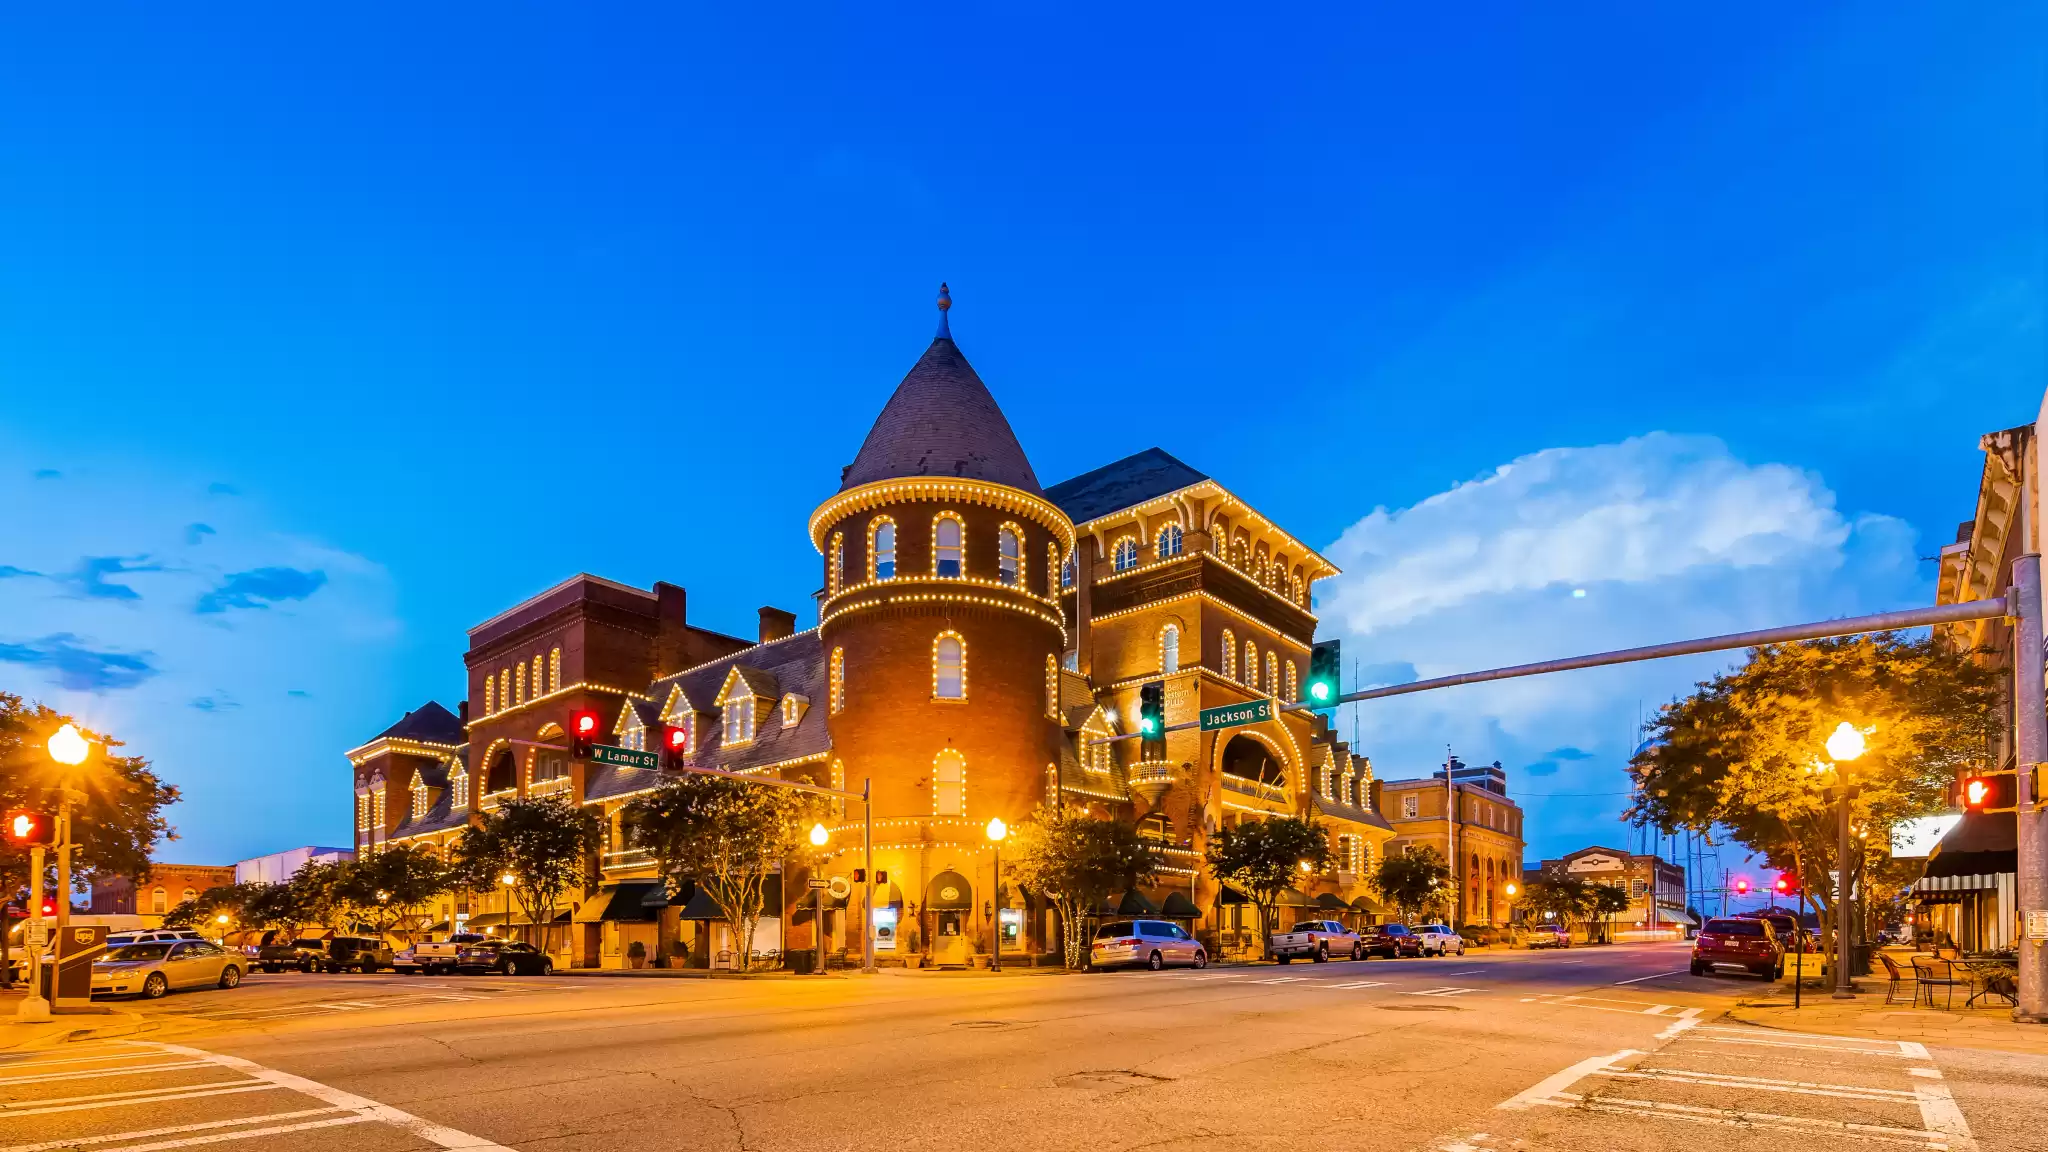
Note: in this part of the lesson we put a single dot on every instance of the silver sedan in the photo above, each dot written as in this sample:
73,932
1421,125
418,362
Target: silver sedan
155,968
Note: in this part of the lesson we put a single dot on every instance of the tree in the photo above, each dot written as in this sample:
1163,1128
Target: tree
1075,862
1261,858
544,845
726,836
205,909
392,887
1416,883
117,802
1604,902
1566,898
1741,751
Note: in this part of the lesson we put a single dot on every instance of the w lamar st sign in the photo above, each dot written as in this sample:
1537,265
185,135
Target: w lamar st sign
1232,715
624,757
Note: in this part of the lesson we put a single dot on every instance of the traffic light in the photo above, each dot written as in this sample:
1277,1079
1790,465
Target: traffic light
27,828
1325,681
1742,887
1152,719
860,875
582,734
1784,885
1997,792
675,745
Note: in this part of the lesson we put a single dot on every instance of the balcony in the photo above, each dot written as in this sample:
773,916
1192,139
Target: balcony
1272,793
628,859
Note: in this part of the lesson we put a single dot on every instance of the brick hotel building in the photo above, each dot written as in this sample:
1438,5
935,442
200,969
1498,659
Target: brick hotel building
974,634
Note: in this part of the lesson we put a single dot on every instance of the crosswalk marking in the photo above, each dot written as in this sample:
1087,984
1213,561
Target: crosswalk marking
1362,984
1281,980
118,1099
1447,990
1761,1084
145,1133
89,1073
1743,1118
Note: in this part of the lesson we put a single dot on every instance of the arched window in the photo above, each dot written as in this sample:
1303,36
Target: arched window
458,787
159,901
835,576
1009,556
419,798
554,670
949,554
949,667
538,678
1169,649
1229,654
838,690
1052,688
504,688
1251,664
1169,541
519,683
949,784
490,695
1125,556
882,550
1291,686
188,895
1067,572
1272,673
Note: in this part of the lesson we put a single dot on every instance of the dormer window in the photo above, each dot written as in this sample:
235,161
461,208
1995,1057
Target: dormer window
419,798
1125,557
1009,556
948,553
1169,541
458,787
882,551
793,709
739,719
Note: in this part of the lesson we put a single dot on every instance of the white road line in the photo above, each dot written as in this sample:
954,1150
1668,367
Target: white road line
424,1129
1219,976
1281,980
343,1007
1446,990
1807,1047
1362,984
117,1099
1653,976
89,1073
1884,1045
1840,1129
4,1066
1463,972
1687,1020
223,1137
1938,1109
145,1133
1752,1084
1542,1091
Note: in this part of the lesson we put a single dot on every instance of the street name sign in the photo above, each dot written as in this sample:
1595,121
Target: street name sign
815,882
1232,715
627,757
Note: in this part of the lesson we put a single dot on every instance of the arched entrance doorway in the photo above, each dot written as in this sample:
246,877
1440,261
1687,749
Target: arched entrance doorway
1248,758
503,774
949,913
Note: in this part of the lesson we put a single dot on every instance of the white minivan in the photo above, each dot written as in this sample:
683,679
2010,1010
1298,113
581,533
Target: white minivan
1439,940
1154,943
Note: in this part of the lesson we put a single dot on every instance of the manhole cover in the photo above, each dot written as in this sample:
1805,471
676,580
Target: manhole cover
1112,1080
1419,1008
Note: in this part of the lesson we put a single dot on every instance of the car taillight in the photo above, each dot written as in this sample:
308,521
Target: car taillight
1703,938
1132,942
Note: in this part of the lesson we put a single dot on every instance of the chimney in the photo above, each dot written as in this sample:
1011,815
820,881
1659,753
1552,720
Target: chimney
671,626
462,712
776,624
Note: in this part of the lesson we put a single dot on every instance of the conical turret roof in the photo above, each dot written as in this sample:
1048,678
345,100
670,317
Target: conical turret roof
942,422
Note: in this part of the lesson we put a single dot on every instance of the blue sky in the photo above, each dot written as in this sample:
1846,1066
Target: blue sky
326,336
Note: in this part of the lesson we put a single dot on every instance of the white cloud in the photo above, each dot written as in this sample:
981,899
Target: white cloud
1668,537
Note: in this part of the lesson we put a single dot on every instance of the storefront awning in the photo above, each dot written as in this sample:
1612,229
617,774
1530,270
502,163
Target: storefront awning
1367,906
1981,844
486,920
948,892
623,901
1135,903
1331,901
1291,898
1177,906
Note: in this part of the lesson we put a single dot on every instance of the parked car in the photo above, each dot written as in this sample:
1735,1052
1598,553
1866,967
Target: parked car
150,935
1738,942
434,957
1155,944
1550,936
303,954
156,967
358,953
1790,935
505,957
1387,941
1318,940
1439,940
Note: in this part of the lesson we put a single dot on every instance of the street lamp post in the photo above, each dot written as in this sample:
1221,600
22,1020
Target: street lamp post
69,748
819,838
996,831
1844,745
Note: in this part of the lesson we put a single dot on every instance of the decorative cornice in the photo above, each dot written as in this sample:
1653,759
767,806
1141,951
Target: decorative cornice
886,492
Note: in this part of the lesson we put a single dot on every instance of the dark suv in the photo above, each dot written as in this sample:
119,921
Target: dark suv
358,953
1387,941
305,955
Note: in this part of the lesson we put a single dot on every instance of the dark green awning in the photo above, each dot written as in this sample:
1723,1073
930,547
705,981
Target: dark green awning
1177,906
1331,901
1135,903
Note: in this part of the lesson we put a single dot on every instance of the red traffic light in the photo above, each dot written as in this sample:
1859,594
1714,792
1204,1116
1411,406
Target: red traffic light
678,739
49,906
1996,792
26,828
1742,887
1784,884
582,734
586,723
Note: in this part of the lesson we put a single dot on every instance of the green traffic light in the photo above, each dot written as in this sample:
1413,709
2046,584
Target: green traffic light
1319,690
1147,724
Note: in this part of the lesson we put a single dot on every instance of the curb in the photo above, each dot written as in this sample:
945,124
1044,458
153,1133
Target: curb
19,1037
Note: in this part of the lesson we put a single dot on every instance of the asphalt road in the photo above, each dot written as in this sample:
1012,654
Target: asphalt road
1585,1049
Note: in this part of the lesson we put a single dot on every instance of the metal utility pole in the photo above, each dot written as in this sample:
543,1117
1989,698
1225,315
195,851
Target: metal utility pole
2032,746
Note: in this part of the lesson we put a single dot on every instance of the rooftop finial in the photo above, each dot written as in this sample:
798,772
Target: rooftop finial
945,302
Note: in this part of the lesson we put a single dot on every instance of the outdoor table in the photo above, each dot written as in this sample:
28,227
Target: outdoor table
1997,974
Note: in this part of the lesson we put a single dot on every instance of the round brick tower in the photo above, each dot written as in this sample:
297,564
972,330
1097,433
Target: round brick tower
942,632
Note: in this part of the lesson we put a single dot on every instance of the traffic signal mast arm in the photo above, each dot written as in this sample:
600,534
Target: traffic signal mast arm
1992,609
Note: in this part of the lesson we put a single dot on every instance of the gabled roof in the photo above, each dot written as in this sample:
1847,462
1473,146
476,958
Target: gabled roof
427,724
1124,484
942,422
754,681
791,664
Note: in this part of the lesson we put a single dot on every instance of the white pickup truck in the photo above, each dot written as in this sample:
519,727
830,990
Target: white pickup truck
434,957
1317,939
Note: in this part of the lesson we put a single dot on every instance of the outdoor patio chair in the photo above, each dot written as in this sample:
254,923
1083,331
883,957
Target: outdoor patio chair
1898,980
1933,972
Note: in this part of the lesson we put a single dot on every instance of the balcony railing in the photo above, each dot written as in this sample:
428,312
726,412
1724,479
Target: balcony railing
1242,786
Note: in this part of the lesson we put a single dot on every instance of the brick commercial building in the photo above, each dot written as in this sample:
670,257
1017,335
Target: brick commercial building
975,632
165,887
1656,889
1484,824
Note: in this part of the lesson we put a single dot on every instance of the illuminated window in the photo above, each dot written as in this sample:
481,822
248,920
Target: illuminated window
838,688
504,688
836,578
537,680
1169,541
1169,649
159,901
632,733
555,670
419,798
1009,556
519,683
490,694
739,719
1229,654
1291,687
949,784
1251,664
882,550
1125,557
458,786
1411,807
949,667
1272,674
948,554
1067,572
1052,688
544,768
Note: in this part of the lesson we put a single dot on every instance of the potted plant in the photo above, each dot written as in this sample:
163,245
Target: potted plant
636,954
913,941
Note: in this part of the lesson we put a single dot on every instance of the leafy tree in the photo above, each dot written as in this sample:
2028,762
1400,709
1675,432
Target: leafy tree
1567,898
1416,883
391,888
205,909
117,802
1261,858
1741,751
315,895
1076,861
544,845
1603,903
726,836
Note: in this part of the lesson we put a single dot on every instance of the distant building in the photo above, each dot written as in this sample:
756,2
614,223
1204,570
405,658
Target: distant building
279,866
1637,875
166,886
1485,826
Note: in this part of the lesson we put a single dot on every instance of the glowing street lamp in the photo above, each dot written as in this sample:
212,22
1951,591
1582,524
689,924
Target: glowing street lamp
819,836
996,831
68,747
1844,744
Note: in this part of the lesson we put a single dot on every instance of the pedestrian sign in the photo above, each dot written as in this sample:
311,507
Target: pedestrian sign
1232,715
625,757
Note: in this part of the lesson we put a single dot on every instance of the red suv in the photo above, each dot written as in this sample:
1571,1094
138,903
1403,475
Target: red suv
1388,941
1751,945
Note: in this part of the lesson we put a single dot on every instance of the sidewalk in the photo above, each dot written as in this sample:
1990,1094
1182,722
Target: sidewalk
1986,1026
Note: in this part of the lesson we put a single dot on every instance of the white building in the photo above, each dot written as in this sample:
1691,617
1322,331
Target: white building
279,866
